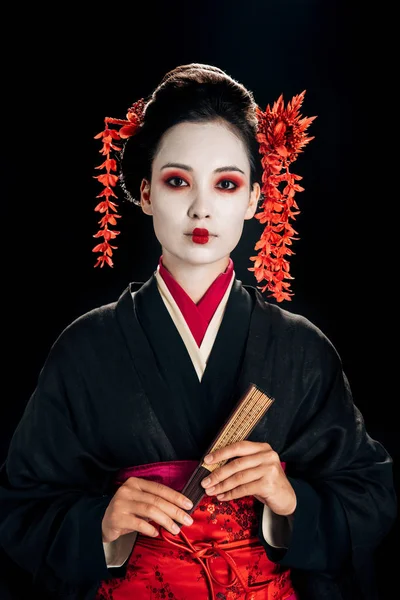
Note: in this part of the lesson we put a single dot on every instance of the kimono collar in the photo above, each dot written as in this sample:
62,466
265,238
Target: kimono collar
198,316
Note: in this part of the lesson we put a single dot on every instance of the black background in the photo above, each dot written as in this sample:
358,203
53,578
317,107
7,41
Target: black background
64,70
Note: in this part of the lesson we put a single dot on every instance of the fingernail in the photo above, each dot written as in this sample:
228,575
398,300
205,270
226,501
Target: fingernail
188,504
175,529
208,458
188,520
206,482
210,490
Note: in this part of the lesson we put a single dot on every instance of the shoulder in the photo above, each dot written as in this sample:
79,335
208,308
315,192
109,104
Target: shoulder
92,322
295,331
96,327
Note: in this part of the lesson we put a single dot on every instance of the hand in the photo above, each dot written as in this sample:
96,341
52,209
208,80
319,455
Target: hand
138,501
255,470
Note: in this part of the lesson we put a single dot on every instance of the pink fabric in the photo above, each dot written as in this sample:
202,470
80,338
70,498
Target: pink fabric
173,474
198,316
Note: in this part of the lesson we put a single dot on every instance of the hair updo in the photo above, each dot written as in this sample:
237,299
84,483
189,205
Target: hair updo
197,93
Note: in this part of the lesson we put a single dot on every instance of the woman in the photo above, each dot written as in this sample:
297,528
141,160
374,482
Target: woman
133,394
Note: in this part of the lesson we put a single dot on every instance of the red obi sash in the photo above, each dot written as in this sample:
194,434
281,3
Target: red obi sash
218,557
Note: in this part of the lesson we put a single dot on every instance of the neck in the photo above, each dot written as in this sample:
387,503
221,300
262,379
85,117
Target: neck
194,279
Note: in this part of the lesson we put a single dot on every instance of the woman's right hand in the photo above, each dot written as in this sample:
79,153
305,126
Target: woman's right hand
138,501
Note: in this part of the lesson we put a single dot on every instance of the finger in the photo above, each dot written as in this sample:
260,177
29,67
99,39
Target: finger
238,480
160,490
234,466
155,514
128,522
156,506
242,448
247,489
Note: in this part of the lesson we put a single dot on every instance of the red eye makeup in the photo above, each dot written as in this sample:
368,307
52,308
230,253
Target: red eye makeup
236,181
173,175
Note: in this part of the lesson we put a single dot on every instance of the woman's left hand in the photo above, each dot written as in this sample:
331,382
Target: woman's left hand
255,470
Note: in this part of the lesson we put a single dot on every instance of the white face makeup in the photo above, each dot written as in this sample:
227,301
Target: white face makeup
200,179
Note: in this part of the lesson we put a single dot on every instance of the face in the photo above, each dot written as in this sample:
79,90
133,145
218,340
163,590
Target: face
200,180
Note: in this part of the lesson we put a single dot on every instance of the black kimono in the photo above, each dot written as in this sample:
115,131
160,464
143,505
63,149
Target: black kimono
119,389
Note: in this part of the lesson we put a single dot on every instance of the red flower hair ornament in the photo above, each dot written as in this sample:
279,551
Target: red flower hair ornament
282,135
109,179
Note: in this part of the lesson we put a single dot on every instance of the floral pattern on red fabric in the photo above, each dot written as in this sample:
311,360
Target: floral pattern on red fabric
210,560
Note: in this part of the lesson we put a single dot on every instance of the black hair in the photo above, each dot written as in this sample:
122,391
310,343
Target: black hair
197,93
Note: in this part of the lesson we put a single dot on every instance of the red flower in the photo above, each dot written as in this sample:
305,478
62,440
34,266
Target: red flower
281,136
104,259
110,164
109,219
107,234
107,192
105,206
128,130
105,248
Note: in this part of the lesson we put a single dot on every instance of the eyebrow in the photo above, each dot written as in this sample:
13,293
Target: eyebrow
188,168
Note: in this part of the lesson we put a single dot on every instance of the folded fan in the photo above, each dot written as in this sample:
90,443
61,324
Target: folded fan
248,412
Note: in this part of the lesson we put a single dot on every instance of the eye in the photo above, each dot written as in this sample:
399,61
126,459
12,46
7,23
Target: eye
227,184
178,182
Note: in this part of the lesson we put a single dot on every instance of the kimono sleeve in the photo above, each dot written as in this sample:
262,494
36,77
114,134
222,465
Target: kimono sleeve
342,477
53,486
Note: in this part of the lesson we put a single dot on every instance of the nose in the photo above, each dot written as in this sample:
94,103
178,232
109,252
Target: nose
200,207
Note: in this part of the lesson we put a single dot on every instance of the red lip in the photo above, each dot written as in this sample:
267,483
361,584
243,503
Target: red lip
200,232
